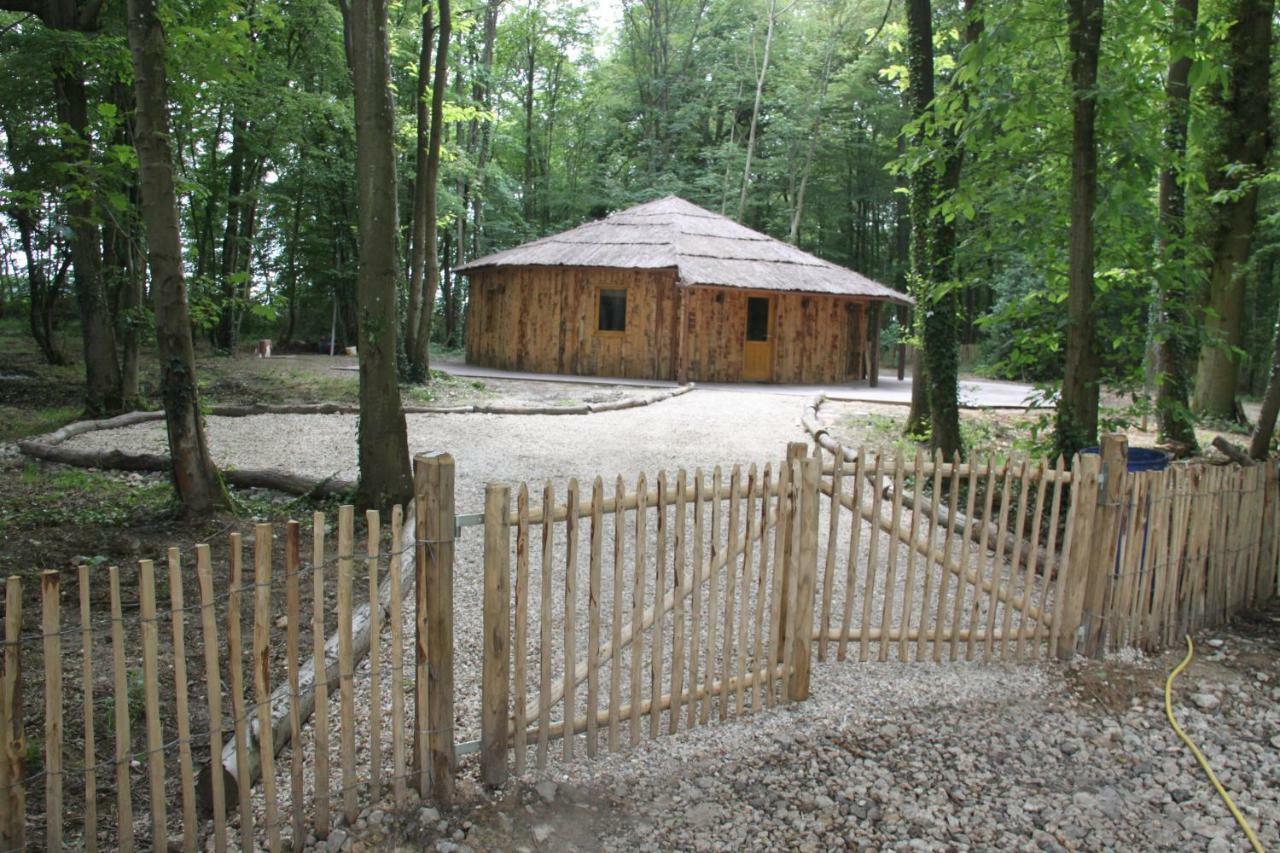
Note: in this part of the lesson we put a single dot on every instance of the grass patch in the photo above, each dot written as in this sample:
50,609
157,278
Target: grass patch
17,422
82,497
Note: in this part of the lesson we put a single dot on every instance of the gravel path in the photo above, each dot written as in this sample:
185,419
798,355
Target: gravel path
895,757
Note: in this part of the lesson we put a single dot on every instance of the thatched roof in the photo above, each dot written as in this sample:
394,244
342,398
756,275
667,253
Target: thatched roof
703,247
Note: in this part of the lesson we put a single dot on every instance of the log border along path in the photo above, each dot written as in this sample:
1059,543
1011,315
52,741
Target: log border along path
49,446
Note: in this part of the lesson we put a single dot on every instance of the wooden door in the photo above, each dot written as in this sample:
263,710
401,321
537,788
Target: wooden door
757,351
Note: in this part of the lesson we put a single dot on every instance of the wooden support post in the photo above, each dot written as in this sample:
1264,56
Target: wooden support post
1104,535
873,344
434,483
904,322
496,680
807,497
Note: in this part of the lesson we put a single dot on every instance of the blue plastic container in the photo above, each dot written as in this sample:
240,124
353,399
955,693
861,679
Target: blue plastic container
1141,459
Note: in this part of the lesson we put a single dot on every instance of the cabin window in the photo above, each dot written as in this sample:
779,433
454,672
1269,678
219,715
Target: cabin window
757,318
613,311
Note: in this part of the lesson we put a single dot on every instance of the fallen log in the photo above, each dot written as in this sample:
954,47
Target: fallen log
1233,452
281,730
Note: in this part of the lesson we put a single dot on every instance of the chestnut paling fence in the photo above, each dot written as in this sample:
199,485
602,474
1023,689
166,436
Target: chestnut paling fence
215,698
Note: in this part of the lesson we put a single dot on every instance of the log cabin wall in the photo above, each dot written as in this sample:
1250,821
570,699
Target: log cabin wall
545,320
816,338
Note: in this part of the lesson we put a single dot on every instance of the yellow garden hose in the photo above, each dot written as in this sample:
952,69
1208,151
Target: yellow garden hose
1204,763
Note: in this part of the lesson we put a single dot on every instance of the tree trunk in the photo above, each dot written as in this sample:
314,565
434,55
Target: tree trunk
941,321
1260,445
418,229
797,211
1077,416
919,97
421,355
755,110
102,369
1243,140
484,94
1175,333
383,440
195,479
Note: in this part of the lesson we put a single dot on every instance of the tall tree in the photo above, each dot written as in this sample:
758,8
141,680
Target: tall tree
1077,416
1175,333
1238,156
70,90
420,357
770,23
421,189
383,440
196,480
932,245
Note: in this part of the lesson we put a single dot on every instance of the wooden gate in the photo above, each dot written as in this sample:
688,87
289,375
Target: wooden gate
926,560
679,603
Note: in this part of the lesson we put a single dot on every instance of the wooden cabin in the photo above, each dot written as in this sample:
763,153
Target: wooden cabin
668,290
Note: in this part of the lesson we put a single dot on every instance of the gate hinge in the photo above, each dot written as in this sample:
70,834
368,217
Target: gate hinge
470,519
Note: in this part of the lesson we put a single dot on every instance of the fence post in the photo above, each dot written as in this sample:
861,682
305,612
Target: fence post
496,665
12,741
433,478
1105,533
807,497
795,450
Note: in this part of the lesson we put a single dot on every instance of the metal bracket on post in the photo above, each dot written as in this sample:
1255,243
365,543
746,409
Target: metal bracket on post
469,519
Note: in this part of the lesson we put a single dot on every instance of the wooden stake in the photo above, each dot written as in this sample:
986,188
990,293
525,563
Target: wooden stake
659,595
759,663
637,609
544,645
730,590
695,628
833,539
86,688
615,627
996,569
890,578
13,795
373,541
346,665
957,613
934,501
495,665
293,658
522,624
213,692
570,609
944,578
807,574
873,554
124,744
321,726
677,619
396,617
235,663
262,536
851,568
593,614
983,558
704,715
749,536
50,623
